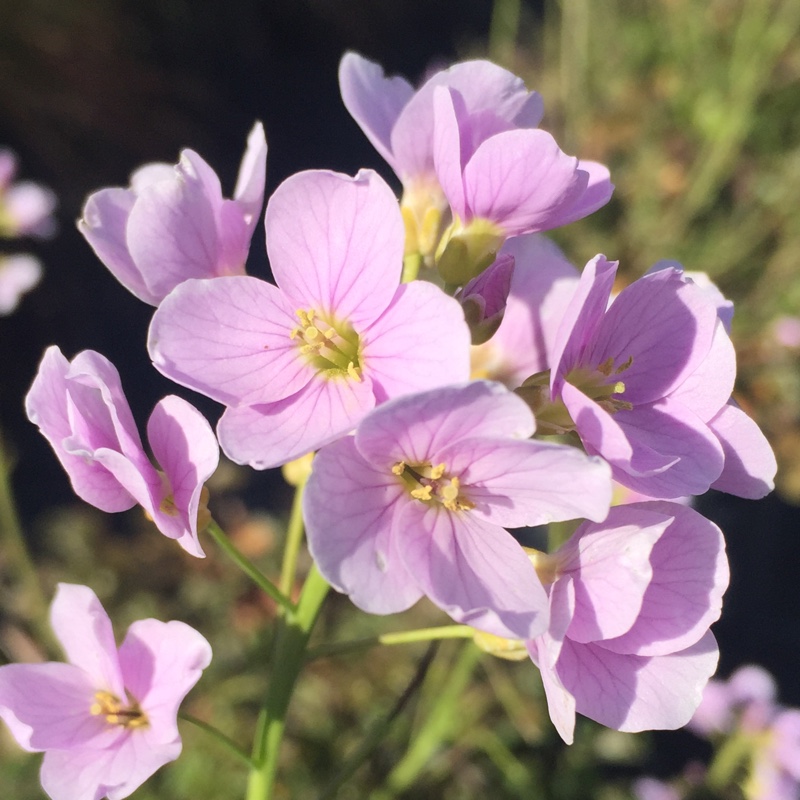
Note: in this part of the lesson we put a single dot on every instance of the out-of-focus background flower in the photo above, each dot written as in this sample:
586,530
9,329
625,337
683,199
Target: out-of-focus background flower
695,107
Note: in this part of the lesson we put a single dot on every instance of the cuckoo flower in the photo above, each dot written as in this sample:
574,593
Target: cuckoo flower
501,185
107,719
399,121
81,410
631,601
18,274
647,381
173,223
541,288
417,502
301,363
26,209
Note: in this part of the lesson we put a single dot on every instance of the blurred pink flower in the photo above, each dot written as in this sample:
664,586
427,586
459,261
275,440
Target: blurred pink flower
18,275
81,410
173,223
26,208
107,719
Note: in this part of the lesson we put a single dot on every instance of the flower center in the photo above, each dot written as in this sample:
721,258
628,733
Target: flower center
431,484
128,715
333,348
601,384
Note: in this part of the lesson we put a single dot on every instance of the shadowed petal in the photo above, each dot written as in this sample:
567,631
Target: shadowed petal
350,510
249,191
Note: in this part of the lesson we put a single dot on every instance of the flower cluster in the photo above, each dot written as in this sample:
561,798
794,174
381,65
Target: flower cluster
26,209
457,378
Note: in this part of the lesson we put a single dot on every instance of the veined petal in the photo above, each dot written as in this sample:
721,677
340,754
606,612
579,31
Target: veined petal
373,100
522,181
672,431
416,428
665,324
161,662
229,338
186,449
473,570
47,706
421,341
516,483
684,596
269,435
636,693
104,224
447,149
250,183
750,464
609,564
597,193
84,630
350,509
335,243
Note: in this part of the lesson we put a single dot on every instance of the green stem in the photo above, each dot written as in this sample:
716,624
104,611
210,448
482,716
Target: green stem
726,766
411,264
22,566
401,637
294,630
294,538
217,734
247,566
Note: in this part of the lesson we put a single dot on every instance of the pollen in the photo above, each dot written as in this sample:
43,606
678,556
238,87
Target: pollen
112,708
431,484
332,347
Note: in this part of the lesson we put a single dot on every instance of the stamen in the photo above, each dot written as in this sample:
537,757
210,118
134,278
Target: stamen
399,468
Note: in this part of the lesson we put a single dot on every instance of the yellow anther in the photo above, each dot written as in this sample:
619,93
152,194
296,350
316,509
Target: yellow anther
422,493
295,332
352,371
606,367
311,348
312,332
399,468
450,492
619,387
330,333
437,471
95,709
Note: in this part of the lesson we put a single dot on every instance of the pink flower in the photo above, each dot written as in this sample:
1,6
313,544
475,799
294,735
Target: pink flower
18,275
417,502
107,719
173,223
81,410
26,208
631,601
298,365
647,383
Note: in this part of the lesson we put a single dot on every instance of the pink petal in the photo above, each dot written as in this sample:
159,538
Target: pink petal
161,662
666,325
398,355
473,570
447,157
522,181
104,225
84,630
636,693
750,464
269,435
229,338
186,449
47,706
416,428
690,575
517,483
18,275
350,509
597,193
250,183
373,100
336,243
610,567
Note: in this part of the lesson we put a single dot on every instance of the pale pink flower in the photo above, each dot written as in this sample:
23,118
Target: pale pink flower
417,502
18,275
301,363
81,410
26,208
172,223
631,602
107,719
